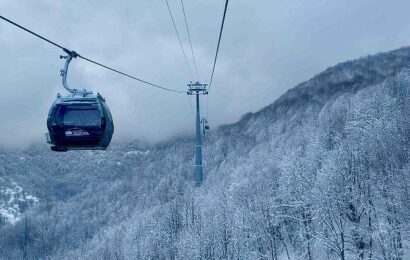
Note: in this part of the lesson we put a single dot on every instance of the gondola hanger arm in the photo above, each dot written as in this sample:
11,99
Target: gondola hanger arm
64,72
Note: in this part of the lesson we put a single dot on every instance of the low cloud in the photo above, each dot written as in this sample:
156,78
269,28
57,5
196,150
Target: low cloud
267,48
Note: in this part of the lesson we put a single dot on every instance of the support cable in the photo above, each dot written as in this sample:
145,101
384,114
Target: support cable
179,39
219,42
207,106
130,76
190,103
189,38
87,59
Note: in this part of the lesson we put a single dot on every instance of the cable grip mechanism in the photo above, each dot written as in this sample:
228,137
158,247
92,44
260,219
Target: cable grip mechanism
64,72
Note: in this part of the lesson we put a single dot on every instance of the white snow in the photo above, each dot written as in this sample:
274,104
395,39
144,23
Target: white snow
10,197
137,152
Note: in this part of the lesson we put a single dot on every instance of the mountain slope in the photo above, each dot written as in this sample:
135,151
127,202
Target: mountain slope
321,173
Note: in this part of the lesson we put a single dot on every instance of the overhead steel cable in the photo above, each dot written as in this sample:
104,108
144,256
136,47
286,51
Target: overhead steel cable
179,39
219,42
189,38
33,33
190,103
130,76
87,59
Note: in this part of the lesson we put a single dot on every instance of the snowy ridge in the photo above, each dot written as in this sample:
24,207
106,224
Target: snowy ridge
321,173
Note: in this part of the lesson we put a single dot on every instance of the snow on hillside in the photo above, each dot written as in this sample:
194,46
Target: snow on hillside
14,201
321,173
137,153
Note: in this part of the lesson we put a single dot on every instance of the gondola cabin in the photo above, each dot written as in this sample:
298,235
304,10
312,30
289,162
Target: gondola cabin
79,122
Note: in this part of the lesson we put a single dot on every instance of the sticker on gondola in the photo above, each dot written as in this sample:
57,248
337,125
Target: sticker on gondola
76,132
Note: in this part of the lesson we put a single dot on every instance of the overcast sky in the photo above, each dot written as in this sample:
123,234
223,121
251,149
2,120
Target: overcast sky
268,46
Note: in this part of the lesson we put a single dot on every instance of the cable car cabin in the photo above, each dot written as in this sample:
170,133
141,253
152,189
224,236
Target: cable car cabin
205,124
79,122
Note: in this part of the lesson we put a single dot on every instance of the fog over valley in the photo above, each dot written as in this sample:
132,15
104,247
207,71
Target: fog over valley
267,48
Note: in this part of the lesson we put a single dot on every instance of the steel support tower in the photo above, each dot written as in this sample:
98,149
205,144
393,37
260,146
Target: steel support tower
198,89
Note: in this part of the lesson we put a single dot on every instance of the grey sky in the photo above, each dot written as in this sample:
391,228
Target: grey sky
268,47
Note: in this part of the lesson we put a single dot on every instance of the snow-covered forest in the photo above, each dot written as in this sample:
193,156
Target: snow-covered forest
321,173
